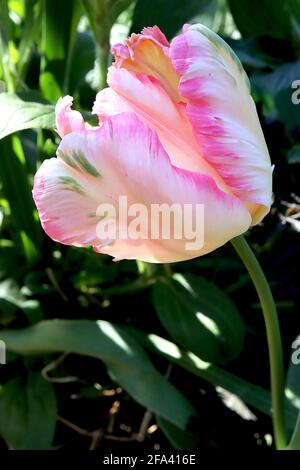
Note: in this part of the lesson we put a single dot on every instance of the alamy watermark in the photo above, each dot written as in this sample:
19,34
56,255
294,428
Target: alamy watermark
2,352
296,94
295,358
124,221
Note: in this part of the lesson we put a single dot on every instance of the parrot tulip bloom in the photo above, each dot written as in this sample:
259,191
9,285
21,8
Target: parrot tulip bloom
176,125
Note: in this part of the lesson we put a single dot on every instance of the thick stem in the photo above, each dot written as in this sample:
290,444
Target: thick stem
273,336
102,53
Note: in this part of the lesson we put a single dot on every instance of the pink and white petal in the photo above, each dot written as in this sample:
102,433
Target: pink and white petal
223,115
154,33
64,204
109,103
67,120
130,162
148,53
147,98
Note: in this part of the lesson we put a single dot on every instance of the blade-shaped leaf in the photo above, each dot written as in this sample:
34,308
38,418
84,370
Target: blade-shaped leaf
200,317
279,92
254,395
179,439
20,111
60,21
126,360
17,191
292,392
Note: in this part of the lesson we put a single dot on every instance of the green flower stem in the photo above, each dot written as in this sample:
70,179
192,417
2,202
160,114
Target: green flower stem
273,336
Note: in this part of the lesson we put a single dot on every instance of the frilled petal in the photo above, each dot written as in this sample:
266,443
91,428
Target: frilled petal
125,158
223,115
147,98
67,120
148,53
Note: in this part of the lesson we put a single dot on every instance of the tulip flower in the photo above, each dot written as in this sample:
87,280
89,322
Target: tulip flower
176,125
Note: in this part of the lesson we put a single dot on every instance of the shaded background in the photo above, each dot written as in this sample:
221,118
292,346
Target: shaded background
130,364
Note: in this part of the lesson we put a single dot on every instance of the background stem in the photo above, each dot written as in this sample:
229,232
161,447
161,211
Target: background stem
273,336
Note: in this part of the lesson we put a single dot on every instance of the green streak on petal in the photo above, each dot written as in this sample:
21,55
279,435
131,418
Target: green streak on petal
77,160
70,184
85,165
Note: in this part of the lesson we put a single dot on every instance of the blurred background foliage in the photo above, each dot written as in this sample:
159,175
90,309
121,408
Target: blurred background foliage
126,354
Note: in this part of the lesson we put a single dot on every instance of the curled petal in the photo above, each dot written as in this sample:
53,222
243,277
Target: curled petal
148,53
125,158
148,99
223,115
67,120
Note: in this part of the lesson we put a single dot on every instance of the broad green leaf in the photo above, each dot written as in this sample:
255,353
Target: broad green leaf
179,439
254,395
200,317
60,21
279,91
261,17
19,111
251,54
28,413
169,15
127,362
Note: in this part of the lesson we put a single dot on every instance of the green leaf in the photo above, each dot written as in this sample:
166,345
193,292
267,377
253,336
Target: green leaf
8,307
20,111
293,155
30,33
82,61
200,317
28,413
292,388
11,299
10,259
18,193
253,395
169,15
179,439
250,53
277,92
60,21
261,17
127,362
6,24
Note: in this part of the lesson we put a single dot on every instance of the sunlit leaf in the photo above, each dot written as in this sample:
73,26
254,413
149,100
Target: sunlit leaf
200,317
127,362
254,395
60,21
18,192
19,111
